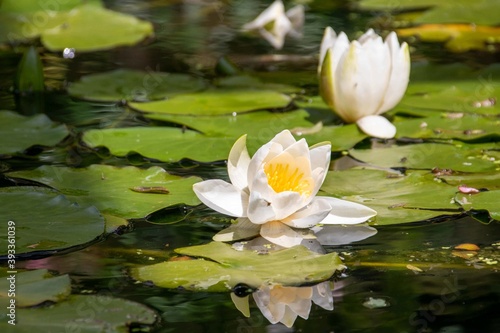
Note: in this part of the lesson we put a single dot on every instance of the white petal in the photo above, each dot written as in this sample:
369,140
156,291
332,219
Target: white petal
377,126
320,155
222,197
343,234
242,304
242,229
259,209
261,156
347,212
237,163
400,73
296,17
284,138
275,10
368,35
276,36
310,215
278,233
329,38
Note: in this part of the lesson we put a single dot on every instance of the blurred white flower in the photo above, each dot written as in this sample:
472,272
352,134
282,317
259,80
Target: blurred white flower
274,192
283,304
273,24
364,78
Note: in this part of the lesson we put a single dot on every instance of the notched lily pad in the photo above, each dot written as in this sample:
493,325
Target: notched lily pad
34,287
132,85
488,201
41,219
396,198
217,102
222,268
18,132
109,188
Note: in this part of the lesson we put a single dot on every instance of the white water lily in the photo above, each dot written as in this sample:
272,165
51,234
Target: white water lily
274,192
283,304
364,78
274,24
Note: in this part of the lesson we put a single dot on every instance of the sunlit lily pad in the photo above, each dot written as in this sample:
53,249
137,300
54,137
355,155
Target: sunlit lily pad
217,102
34,287
488,201
458,157
126,84
18,132
126,192
397,199
223,268
45,220
450,126
490,180
81,313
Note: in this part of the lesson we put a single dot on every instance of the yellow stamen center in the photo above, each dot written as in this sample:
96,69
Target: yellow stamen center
286,177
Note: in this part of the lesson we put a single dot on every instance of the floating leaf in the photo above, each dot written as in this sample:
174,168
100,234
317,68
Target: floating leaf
109,188
79,31
126,84
481,201
396,198
18,132
217,102
44,220
81,313
34,287
223,268
458,157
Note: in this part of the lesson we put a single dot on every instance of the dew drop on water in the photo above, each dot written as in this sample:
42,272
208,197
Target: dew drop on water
68,53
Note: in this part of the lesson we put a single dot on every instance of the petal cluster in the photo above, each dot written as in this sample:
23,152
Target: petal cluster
363,78
274,24
274,192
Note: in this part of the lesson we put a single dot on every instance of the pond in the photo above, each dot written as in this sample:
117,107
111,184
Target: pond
114,114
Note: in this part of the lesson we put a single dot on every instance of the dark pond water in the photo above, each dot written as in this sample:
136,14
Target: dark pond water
446,296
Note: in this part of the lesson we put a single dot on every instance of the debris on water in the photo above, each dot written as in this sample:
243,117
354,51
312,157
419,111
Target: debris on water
467,247
467,190
376,303
414,269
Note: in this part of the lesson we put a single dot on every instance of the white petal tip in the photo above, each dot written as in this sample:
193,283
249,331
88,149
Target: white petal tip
377,126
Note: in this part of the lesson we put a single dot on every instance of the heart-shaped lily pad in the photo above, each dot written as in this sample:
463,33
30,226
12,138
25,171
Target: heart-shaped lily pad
224,267
126,84
40,219
18,132
126,192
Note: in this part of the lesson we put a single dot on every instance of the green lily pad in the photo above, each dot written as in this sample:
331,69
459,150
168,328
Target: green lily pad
79,31
34,287
396,198
81,313
126,192
490,180
481,201
251,82
161,143
458,157
217,102
126,84
223,268
451,126
40,219
18,132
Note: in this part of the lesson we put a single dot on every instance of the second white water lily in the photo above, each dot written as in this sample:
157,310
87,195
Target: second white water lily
364,78
274,192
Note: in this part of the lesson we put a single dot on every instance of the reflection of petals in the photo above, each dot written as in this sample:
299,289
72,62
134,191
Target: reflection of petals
242,229
278,233
322,295
241,303
347,212
343,234
296,17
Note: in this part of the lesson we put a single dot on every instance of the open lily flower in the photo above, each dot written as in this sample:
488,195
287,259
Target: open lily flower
364,78
283,304
273,24
274,192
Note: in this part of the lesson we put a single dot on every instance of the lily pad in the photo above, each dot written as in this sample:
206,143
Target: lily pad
18,132
450,126
223,268
81,313
490,180
481,201
126,192
126,84
161,143
79,31
458,157
396,198
40,219
217,102
34,287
